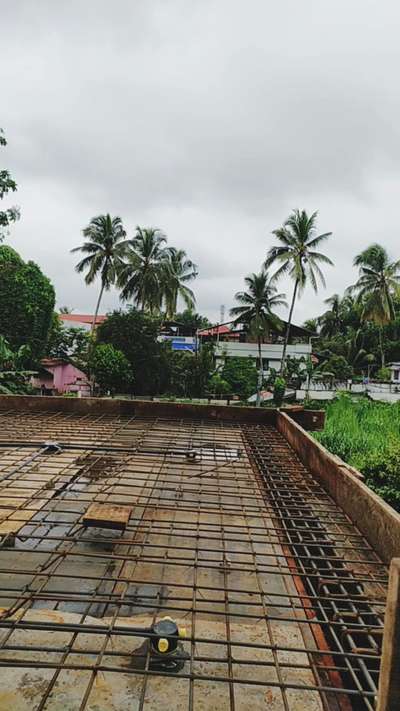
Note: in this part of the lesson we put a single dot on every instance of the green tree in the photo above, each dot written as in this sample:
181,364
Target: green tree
296,371
135,334
338,366
218,385
311,324
378,283
140,278
14,378
256,311
189,373
177,271
27,300
357,356
331,321
111,369
279,391
69,343
241,374
7,184
190,319
296,256
104,248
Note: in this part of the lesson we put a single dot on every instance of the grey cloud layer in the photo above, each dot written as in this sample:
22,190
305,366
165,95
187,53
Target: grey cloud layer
211,120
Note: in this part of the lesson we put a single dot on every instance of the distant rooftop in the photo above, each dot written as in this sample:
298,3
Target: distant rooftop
214,331
82,318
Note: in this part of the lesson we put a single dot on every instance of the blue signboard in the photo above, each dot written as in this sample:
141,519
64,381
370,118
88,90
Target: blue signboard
177,345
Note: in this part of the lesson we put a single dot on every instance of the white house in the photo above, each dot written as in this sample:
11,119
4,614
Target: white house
395,372
233,341
271,353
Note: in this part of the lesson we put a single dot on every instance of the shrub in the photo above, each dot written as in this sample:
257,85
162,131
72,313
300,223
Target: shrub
279,391
366,434
111,369
241,375
338,366
383,374
218,385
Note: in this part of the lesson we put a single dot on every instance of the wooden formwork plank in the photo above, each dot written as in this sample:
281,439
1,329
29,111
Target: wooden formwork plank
107,516
389,676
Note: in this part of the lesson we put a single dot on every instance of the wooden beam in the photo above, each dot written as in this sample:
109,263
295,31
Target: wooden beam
389,676
107,516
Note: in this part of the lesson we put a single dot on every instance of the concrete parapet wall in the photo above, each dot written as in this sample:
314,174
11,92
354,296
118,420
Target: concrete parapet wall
379,523
144,408
148,408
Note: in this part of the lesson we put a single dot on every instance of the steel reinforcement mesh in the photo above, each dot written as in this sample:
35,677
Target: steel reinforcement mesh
281,597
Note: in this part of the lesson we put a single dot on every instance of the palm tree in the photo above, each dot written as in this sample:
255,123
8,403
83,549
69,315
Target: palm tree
141,275
378,283
256,311
297,258
177,272
104,248
332,320
356,355
311,324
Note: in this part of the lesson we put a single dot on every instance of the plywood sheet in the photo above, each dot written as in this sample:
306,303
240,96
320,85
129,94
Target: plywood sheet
107,516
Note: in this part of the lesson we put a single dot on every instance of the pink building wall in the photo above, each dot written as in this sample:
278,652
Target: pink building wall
65,377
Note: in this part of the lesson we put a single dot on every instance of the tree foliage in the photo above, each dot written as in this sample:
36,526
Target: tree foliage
177,272
241,375
69,343
135,334
188,373
363,326
26,303
279,391
154,275
7,185
111,369
296,257
378,283
14,378
256,310
191,319
104,248
338,366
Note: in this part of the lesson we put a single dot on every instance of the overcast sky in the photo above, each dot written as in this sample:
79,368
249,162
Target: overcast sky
210,120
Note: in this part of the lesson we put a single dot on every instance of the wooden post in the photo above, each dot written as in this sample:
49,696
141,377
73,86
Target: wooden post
389,677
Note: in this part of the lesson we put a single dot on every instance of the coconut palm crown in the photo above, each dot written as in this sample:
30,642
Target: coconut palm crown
296,257
256,311
104,248
377,285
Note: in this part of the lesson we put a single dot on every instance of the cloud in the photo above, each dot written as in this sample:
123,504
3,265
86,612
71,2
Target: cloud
210,120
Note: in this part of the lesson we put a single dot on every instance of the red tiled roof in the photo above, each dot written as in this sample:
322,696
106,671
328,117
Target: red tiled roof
82,318
214,331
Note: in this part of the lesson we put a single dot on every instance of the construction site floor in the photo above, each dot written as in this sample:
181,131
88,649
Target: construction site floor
281,598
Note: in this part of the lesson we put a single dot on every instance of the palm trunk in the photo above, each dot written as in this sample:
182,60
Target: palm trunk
287,334
92,330
381,346
97,310
260,374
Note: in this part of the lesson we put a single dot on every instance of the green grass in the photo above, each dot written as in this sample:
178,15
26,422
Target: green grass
367,435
